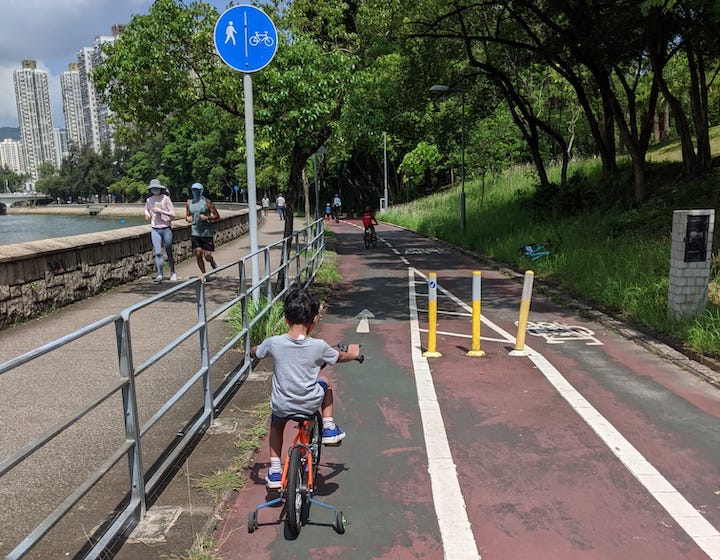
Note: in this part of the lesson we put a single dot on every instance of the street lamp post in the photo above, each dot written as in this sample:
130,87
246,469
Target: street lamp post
440,89
385,172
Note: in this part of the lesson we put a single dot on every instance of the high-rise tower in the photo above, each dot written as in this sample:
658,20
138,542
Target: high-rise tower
97,114
32,96
73,106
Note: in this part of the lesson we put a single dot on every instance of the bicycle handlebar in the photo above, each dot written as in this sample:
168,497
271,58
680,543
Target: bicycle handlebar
343,347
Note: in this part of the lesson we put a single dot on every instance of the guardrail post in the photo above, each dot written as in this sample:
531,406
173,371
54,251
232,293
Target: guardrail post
432,317
268,268
524,313
205,352
475,344
130,415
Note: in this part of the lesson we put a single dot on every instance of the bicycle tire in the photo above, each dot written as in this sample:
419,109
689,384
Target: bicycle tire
373,240
316,443
367,241
294,492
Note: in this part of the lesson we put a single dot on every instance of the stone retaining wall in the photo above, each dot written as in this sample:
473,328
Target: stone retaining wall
40,276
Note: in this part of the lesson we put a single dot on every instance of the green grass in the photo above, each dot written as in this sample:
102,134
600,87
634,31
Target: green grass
271,323
221,482
610,255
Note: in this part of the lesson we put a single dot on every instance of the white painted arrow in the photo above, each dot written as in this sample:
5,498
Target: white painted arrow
364,324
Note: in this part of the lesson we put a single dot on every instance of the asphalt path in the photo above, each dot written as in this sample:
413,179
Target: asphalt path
587,446
39,395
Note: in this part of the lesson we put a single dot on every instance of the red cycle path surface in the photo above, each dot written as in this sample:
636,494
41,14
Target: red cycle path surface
537,481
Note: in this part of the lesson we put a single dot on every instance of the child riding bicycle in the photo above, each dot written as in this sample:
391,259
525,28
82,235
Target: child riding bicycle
369,220
297,387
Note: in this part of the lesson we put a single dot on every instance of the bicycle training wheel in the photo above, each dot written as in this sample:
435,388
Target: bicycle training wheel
294,497
373,240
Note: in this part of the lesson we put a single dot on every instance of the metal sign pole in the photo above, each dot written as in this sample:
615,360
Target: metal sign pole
252,198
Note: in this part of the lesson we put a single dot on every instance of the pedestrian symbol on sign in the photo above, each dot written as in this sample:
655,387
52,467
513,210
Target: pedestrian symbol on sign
230,33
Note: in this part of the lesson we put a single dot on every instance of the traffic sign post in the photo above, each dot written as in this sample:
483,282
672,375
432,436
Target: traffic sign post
246,40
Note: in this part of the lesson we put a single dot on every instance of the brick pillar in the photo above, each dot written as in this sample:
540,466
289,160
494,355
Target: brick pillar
690,257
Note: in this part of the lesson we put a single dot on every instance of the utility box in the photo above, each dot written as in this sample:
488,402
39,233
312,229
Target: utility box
692,234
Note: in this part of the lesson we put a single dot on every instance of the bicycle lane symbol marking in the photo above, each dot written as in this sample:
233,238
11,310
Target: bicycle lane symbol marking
559,333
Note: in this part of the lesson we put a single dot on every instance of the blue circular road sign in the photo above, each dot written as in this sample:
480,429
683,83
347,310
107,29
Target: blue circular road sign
245,38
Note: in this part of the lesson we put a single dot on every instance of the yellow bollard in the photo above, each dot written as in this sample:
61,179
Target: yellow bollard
432,317
475,344
524,313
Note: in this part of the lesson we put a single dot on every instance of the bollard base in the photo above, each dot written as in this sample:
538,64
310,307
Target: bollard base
518,353
475,353
432,355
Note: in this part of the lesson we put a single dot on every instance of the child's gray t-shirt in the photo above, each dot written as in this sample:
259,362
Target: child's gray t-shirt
296,365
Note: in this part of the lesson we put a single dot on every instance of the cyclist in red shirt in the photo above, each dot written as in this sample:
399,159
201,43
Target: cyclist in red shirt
369,220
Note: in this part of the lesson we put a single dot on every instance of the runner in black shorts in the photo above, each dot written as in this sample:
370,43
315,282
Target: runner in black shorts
201,212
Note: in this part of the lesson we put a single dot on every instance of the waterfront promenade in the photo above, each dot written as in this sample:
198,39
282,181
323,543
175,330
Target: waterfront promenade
35,397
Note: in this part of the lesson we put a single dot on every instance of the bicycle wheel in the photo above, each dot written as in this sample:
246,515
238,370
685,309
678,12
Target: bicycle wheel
294,492
316,443
373,240
367,241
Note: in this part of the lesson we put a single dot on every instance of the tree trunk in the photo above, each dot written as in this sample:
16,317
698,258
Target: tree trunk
306,193
699,104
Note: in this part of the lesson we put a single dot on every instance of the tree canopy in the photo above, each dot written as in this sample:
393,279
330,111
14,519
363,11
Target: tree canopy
541,82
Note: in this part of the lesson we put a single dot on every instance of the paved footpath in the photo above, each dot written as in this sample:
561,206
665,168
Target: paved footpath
589,446
35,397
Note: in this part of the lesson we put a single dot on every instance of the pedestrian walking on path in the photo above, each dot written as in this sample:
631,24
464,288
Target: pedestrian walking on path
280,204
160,212
201,212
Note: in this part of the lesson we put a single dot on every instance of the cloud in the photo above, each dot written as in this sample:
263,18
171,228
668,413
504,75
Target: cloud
52,32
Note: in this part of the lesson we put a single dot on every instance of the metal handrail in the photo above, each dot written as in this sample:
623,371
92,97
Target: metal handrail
307,257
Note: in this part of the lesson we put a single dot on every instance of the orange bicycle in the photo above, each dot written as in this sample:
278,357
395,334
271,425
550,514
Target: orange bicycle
299,475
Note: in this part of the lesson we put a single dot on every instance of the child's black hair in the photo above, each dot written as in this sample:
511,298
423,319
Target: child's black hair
301,306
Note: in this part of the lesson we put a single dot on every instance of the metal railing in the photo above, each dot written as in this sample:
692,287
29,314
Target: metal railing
295,259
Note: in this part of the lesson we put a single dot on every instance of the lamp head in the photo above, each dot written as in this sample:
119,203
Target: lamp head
439,88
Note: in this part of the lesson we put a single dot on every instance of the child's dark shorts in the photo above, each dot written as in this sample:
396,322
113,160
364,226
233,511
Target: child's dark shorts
278,420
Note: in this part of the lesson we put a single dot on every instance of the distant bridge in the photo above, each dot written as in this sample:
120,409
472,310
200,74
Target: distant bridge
11,199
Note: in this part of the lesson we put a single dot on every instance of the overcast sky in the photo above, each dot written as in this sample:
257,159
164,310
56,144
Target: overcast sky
52,32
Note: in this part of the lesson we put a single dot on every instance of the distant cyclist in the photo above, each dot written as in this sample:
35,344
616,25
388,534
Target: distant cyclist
369,220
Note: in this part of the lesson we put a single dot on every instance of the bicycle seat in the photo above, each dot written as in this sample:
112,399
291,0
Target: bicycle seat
301,417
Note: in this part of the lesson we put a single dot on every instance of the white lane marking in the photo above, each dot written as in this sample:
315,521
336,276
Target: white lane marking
457,537
692,522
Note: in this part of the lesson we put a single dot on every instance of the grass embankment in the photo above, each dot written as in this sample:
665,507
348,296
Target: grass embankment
613,256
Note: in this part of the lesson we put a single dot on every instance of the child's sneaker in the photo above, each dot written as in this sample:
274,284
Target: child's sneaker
332,436
274,480
173,277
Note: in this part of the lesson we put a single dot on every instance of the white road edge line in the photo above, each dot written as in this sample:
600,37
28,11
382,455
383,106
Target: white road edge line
692,522
457,537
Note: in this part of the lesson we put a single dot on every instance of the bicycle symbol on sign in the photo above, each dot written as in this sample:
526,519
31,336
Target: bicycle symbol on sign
263,37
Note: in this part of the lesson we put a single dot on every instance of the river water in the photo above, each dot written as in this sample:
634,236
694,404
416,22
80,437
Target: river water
20,228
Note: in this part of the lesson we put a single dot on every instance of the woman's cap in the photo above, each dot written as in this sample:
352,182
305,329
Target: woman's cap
197,186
